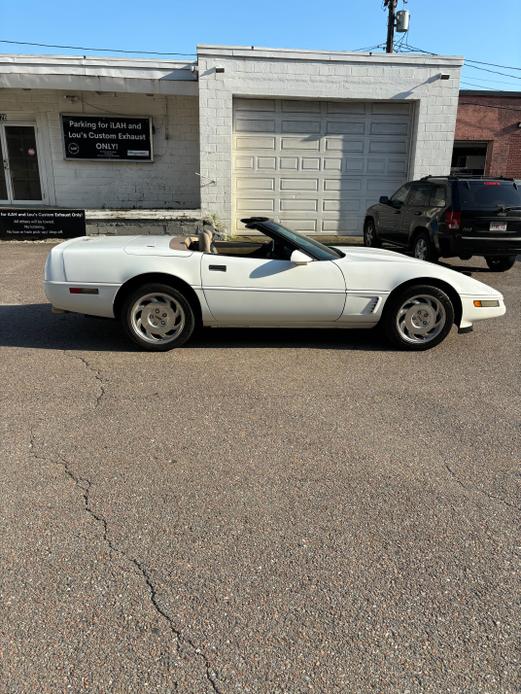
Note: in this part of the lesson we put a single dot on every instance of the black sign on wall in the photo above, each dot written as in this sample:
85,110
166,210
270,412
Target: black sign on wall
23,224
112,138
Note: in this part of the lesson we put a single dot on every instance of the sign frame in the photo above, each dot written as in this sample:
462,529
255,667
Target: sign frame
149,160
34,228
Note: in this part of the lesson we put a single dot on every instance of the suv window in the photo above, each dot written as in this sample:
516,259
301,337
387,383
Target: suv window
480,195
439,196
401,194
420,195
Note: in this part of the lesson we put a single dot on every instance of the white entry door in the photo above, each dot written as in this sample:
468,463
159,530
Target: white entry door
20,180
253,291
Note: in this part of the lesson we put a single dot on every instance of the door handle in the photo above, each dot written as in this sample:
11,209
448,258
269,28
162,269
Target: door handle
217,268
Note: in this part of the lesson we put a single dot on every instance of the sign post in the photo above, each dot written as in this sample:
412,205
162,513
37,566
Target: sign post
107,138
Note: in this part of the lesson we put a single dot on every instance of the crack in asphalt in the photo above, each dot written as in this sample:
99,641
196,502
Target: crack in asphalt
181,641
93,370
476,489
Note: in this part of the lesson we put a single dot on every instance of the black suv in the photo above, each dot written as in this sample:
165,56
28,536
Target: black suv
451,216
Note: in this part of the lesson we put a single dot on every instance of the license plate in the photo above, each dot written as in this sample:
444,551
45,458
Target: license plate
498,226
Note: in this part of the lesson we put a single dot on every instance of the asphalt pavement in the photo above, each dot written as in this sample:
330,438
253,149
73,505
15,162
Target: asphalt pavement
258,511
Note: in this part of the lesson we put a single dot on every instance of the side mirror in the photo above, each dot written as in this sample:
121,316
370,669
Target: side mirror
384,199
300,258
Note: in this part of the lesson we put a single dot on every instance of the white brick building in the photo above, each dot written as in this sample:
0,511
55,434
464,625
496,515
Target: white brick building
308,137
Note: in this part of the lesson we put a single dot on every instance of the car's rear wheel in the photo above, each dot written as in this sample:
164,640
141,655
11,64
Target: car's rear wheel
500,263
423,248
370,236
157,317
418,318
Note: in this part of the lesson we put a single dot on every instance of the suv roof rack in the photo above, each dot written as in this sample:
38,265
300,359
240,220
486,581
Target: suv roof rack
455,177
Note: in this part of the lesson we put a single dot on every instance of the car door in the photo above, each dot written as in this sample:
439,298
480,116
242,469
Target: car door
390,215
263,291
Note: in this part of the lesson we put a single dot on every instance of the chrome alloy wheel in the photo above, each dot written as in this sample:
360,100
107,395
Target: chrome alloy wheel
157,318
421,319
421,250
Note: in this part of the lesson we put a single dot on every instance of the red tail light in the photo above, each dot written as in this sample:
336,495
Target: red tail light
453,219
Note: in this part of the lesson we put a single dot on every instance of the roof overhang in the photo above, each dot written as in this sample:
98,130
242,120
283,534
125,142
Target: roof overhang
98,74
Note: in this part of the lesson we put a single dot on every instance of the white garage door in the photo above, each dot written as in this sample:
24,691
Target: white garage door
317,165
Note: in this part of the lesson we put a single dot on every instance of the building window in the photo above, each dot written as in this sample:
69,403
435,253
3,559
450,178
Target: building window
469,158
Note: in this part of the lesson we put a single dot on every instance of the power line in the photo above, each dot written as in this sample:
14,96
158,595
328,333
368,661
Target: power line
494,72
84,48
475,103
480,62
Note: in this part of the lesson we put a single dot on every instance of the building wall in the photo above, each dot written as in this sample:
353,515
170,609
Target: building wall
170,181
310,75
493,119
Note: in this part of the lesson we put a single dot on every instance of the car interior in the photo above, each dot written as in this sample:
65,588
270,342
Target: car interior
265,247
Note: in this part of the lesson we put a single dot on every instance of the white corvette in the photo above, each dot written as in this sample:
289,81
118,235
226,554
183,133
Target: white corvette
160,290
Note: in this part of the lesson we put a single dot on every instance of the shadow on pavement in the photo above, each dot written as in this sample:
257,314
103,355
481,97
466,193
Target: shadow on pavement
33,326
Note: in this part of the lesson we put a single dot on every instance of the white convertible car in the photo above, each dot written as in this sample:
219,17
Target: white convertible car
160,290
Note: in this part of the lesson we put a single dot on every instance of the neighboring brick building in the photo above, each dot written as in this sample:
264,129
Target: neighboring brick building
488,134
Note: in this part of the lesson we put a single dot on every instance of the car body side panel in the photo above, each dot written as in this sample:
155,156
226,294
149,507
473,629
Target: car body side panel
107,263
372,274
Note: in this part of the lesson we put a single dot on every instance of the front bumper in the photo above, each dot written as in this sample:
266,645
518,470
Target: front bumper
471,313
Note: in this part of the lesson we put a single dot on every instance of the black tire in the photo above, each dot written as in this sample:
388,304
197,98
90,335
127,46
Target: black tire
370,235
175,320
423,248
500,263
422,316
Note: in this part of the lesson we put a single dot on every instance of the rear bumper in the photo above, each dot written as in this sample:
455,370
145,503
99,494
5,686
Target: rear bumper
100,304
463,244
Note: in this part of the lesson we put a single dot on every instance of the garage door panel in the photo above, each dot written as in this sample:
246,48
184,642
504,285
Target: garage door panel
311,143
317,166
254,125
345,127
342,144
299,184
304,205
264,163
289,163
252,143
255,204
303,225
301,126
299,106
255,183
254,104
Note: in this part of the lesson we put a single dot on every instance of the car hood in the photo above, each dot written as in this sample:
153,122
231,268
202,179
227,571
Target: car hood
393,268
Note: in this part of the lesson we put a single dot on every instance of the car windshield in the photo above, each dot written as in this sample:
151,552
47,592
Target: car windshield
314,248
479,195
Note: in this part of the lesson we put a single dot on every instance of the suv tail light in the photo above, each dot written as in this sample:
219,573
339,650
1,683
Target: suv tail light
452,219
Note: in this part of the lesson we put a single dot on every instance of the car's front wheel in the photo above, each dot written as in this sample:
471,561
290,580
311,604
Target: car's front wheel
500,263
418,317
157,317
370,236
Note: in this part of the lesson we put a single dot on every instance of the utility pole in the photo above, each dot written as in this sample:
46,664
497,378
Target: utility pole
391,7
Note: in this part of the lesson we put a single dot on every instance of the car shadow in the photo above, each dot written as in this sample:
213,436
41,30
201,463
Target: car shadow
34,326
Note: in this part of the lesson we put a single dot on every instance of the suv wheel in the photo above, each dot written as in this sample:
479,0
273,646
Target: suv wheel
423,248
370,237
500,263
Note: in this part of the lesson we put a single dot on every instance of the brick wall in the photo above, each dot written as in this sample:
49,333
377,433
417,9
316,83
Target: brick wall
170,181
293,74
493,119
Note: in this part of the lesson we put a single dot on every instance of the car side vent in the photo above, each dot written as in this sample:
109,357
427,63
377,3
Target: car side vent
371,306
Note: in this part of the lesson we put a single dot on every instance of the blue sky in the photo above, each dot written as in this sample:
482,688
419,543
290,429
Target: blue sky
478,29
